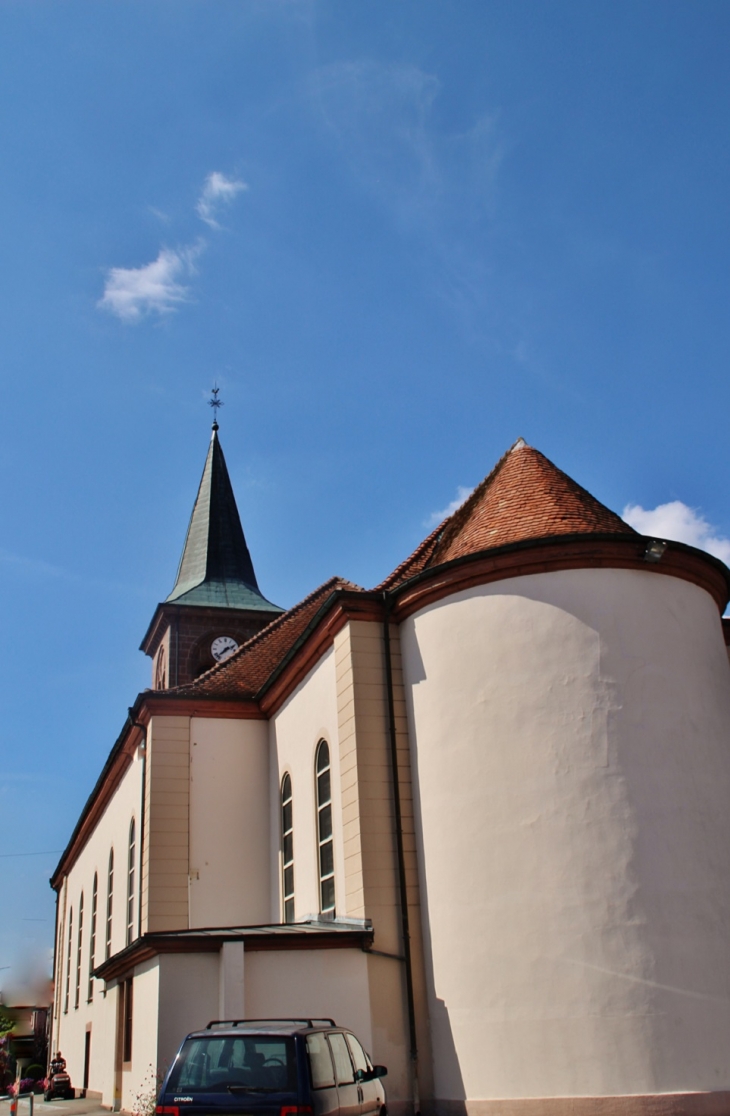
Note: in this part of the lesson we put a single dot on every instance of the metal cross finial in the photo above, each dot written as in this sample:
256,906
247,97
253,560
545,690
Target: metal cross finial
215,403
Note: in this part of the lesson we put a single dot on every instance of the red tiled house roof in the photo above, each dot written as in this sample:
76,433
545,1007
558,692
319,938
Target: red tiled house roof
524,497
249,668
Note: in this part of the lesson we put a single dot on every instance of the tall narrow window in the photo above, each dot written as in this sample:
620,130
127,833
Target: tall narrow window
92,938
79,940
130,883
324,830
109,905
127,1016
287,849
68,958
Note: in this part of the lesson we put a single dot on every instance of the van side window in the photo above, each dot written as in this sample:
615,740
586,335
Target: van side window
343,1065
320,1063
359,1056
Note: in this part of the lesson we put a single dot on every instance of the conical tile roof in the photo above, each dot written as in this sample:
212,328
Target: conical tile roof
216,567
524,497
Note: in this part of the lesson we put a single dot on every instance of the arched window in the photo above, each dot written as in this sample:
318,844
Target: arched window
160,670
92,938
324,829
130,883
109,905
68,959
287,849
79,937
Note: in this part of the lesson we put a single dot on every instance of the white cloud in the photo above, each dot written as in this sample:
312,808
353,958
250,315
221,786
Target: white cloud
462,495
217,191
679,522
132,292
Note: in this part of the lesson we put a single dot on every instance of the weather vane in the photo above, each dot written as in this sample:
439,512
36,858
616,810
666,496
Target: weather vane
215,403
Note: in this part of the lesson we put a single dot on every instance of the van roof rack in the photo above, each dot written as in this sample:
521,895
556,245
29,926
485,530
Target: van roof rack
311,1022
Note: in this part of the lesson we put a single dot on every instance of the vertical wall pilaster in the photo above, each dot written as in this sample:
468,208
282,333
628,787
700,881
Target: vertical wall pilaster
165,866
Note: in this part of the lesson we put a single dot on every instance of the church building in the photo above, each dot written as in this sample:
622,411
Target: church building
478,814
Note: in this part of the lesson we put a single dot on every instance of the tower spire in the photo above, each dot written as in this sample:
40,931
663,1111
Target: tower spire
216,567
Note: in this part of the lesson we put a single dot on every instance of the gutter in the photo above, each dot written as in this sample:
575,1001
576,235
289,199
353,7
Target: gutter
398,818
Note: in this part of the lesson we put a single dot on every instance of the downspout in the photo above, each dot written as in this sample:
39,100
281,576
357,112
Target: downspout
54,1008
143,746
398,817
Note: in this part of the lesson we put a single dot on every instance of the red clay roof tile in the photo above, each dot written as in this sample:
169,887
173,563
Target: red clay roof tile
524,497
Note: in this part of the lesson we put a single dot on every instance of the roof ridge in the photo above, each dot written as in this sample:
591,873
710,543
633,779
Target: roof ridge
438,533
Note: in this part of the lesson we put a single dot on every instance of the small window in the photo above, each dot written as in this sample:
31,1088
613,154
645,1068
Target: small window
341,1055
287,849
130,882
79,936
92,938
68,959
320,1062
109,906
324,830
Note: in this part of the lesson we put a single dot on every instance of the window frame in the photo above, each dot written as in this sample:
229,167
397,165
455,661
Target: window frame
286,798
67,994
109,906
131,880
326,878
92,937
79,946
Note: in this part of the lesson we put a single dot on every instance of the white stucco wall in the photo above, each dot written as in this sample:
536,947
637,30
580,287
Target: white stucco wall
229,822
139,1079
570,735
313,982
70,1027
188,999
308,716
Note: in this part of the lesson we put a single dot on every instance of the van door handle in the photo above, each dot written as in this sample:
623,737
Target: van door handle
359,1094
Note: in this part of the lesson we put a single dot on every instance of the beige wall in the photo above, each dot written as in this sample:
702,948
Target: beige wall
167,809
313,982
70,1027
188,999
572,755
308,716
229,822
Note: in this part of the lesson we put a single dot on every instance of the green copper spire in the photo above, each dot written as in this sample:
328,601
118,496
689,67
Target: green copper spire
216,567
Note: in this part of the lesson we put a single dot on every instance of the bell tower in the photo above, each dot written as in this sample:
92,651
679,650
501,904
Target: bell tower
215,604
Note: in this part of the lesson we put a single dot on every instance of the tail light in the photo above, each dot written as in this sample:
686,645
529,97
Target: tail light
296,1110
167,1110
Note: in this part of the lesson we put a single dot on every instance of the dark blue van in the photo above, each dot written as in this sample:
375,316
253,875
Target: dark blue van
273,1067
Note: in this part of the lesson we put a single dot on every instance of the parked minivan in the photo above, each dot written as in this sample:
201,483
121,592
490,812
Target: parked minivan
273,1067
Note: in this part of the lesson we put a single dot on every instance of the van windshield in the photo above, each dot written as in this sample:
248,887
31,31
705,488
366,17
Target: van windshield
235,1063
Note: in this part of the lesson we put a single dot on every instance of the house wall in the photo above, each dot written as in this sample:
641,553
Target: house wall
229,822
328,983
308,716
188,985
570,749
99,1013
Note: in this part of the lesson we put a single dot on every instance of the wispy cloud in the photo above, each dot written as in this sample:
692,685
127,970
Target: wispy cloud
132,292
462,495
159,287
679,522
218,191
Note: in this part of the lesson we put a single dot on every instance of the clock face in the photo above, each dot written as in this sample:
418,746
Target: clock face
222,647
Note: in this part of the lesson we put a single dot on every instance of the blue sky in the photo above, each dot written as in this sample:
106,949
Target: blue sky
398,235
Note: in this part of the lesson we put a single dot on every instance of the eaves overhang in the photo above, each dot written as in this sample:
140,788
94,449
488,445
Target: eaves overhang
561,552
279,936
148,704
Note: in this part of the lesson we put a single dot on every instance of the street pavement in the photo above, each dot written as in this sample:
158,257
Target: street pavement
55,1107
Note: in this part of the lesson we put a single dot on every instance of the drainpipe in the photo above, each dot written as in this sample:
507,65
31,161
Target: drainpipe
405,922
143,746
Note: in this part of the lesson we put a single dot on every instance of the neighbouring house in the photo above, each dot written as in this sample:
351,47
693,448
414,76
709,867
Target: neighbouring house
478,814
